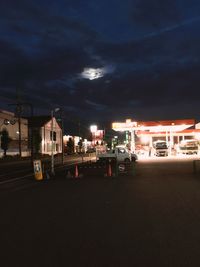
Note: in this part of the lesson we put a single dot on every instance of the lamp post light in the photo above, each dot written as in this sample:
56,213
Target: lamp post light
93,129
61,120
18,113
62,125
52,141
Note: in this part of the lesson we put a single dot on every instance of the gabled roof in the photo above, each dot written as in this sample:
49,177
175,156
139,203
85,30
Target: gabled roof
38,121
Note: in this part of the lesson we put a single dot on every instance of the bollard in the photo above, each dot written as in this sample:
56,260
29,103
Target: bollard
37,167
109,170
117,169
76,171
68,174
45,171
133,168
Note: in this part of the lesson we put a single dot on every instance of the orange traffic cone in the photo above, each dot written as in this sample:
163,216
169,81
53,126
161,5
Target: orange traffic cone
76,171
109,170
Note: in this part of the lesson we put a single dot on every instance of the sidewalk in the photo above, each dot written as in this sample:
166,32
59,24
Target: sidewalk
44,159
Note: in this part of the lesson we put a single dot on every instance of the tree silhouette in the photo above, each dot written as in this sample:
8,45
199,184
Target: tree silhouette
5,141
70,146
80,145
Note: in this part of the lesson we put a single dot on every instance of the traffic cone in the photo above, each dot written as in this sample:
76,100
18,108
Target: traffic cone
109,170
76,171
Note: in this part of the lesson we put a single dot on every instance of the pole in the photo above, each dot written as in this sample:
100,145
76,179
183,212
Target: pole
31,129
133,140
19,111
20,134
31,134
52,152
170,142
0,136
19,106
62,132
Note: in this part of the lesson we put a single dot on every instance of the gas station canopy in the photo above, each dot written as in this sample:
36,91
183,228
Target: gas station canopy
154,126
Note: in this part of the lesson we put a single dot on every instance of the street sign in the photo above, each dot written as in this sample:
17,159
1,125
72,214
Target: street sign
37,169
12,121
6,121
122,167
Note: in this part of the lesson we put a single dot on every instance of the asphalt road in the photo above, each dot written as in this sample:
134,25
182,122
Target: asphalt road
150,219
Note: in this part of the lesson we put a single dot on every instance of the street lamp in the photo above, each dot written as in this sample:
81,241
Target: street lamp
93,129
61,120
52,135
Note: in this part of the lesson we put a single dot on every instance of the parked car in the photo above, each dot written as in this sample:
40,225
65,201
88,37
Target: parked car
188,147
160,148
119,153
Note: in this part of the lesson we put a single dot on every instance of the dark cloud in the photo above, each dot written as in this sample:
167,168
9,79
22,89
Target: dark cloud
156,13
149,49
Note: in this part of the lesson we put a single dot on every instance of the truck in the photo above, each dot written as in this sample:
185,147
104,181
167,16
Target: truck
160,148
188,147
120,154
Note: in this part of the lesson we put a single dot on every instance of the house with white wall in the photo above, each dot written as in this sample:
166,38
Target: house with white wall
43,124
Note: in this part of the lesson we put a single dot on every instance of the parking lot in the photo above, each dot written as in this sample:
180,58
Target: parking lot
150,218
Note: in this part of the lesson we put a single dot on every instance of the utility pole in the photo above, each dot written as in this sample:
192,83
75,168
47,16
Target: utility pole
62,133
79,129
60,119
53,111
31,128
18,113
52,144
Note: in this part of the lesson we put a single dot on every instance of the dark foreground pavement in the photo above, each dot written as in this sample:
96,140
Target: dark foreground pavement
151,219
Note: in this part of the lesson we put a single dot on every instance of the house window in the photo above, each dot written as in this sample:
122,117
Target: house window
54,136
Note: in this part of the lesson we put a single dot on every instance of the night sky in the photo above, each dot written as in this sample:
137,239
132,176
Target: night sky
102,60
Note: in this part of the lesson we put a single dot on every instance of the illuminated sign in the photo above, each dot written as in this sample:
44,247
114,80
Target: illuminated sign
124,125
37,169
99,134
93,128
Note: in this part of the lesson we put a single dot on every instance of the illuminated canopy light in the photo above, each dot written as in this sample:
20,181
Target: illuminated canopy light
118,126
197,136
166,127
144,139
93,128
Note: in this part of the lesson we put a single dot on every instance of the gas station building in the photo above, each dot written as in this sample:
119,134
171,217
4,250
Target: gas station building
144,133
